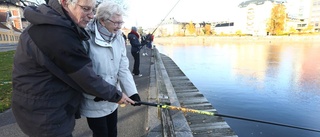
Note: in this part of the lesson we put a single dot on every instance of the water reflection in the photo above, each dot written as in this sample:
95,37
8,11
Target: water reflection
272,82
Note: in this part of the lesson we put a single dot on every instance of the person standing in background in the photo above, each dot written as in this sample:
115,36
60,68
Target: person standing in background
51,69
144,50
109,57
133,37
149,39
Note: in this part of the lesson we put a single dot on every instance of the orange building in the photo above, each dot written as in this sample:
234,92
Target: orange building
10,22
9,34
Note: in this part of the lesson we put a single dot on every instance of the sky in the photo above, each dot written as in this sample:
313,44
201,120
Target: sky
149,13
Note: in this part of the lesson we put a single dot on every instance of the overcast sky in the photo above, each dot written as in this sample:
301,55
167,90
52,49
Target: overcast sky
149,13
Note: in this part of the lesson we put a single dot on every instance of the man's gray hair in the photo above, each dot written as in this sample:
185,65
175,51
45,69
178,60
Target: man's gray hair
72,2
107,9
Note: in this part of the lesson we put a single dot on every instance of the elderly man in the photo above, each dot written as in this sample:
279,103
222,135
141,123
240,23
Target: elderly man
52,69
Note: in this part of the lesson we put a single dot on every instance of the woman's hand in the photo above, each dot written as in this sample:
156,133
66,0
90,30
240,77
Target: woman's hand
125,100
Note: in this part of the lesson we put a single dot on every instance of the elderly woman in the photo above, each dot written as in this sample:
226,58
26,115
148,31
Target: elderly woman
107,50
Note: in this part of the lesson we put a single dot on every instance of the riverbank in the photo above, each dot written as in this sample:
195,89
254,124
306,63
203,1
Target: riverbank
209,40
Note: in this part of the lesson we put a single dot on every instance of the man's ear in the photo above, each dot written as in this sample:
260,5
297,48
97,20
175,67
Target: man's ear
64,4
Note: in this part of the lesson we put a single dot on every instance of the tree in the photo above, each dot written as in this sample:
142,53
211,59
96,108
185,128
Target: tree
276,22
239,32
191,28
292,30
309,28
207,29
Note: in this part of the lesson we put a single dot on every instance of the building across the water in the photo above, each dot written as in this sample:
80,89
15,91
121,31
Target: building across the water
251,17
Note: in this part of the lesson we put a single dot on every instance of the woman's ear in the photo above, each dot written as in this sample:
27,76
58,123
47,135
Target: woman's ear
101,21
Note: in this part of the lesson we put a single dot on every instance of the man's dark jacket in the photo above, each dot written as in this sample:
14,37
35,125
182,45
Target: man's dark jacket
51,69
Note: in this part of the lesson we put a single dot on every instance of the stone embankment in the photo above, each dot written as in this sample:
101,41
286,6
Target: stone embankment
209,40
174,87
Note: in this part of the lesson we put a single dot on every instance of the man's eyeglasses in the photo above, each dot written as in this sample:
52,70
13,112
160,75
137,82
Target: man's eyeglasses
116,23
87,9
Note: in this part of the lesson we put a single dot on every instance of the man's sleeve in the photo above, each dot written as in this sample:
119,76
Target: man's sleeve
64,48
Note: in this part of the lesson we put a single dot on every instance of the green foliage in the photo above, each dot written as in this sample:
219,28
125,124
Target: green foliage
6,61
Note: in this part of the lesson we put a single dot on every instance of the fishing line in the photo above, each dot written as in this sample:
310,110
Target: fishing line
160,23
165,16
222,115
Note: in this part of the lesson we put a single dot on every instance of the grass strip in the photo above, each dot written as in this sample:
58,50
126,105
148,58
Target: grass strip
6,63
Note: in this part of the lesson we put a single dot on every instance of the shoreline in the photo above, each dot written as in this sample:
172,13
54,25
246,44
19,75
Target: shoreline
207,40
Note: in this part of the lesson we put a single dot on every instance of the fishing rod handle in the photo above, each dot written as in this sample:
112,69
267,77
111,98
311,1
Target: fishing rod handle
148,103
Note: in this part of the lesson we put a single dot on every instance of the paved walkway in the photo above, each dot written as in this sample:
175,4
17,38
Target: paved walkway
132,121
7,47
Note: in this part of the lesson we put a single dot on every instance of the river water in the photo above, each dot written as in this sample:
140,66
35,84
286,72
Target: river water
271,82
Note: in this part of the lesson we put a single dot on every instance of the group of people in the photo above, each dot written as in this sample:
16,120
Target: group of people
70,61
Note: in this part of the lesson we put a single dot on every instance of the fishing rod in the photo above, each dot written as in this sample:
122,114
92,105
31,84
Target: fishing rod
149,36
165,17
221,115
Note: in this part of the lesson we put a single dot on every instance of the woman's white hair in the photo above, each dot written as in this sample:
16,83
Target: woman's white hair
106,9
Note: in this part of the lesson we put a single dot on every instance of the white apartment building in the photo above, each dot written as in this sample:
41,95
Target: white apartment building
255,16
314,18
